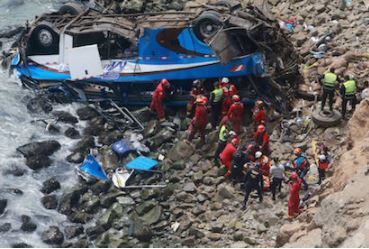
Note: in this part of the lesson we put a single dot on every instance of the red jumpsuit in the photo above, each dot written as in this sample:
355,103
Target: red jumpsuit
228,91
259,116
294,200
195,91
265,165
235,115
199,122
158,97
262,141
226,156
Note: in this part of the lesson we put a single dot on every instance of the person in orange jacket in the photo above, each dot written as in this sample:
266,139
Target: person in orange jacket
294,198
235,113
228,91
261,139
199,122
259,114
226,156
158,96
196,90
322,167
264,163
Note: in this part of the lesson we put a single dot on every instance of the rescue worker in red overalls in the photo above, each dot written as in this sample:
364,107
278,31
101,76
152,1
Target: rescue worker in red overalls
228,91
261,139
235,113
196,90
251,149
259,114
294,198
264,162
226,156
199,122
157,101
322,167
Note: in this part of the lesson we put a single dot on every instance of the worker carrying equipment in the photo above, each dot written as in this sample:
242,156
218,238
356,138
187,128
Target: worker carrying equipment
158,96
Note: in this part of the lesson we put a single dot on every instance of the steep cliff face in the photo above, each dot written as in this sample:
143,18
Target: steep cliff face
338,213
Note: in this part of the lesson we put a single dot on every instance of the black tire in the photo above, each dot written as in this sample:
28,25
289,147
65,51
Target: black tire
207,24
326,118
45,38
71,9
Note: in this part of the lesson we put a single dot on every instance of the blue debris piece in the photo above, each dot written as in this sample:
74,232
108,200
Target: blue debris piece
142,163
122,147
93,168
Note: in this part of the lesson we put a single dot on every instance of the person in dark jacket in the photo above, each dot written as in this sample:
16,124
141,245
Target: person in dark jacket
253,181
239,160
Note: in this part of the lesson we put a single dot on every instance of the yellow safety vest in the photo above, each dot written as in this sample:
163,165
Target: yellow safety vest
330,80
350,87
218,93
222,133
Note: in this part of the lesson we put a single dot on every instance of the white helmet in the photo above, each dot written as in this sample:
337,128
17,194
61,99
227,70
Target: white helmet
322,157
258,154
225,80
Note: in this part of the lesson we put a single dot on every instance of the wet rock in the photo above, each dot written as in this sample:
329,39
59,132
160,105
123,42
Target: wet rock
87,113
50,201
76,157
80,216
3,204
65,117
72,133
46,148
70,199
91,204
84,145
151,128
107,218
110,137
15,171
39,104
27,224
38,162
5,227
152,216
95,127
142,232
50,185
52,236
189,187
73,231
21,245
225,192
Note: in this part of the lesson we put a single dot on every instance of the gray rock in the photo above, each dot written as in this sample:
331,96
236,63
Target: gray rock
150,193
239,244
50,185
45,148
70,199
238,236
50,201
164,135
72,133
152,216
260,228
202,198
196,232
225,192
181,151
141,232
216,227
39,104
84,145
5,227
197,177
197,210
214,236
73,231
65,117
145,207
52,236
109,199
151,128
189,187
3,204
107,218
38,162
87,113
125,200
80,216
27,224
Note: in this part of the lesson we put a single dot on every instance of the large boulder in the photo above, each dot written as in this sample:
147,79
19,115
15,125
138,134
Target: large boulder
70,199
181,150
65,117
45,148
72,133
38,161
52,236
50,185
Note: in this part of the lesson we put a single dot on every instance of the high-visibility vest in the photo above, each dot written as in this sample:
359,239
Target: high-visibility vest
223,133
350,87
330,80
218,93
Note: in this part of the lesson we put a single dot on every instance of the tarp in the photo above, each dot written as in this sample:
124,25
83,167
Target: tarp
122,147
142,163
93,168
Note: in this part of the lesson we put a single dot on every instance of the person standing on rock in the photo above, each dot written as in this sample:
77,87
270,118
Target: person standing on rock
294,198
239,160
329,82
261,139
235,114
228,91
215,104
348,93
253,181
196,91
277,176
199,122
301,165
226,156
259,114
158,97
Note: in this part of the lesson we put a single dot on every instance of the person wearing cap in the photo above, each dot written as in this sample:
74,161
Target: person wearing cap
235,113
259,114
294,196
322,167
348,93
261,139
199,122
264,163
329,82
301,165
253,181
215,102
227,155
277,176
196,90
158,97
228,91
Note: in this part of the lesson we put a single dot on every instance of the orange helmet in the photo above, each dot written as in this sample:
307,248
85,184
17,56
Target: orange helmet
294,176
261,128
235,141
297,151
236,98
165,82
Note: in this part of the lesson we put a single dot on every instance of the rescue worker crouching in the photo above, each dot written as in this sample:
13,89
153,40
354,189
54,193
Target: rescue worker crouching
199,122
158,97
348,93
329,83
